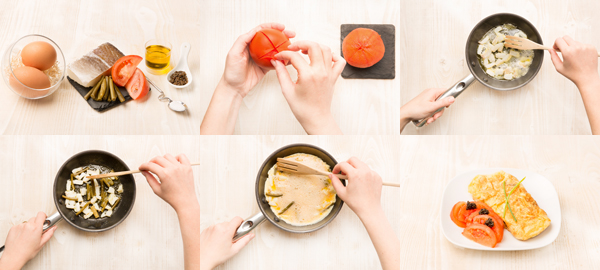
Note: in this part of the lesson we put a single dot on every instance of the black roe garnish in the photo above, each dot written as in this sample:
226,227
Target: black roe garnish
489,222
471,205
484,211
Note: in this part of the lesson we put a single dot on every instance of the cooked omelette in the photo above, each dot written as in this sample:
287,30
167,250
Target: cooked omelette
531,219
300,200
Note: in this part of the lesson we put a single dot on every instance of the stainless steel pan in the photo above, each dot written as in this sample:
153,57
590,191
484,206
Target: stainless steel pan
477,72
265,210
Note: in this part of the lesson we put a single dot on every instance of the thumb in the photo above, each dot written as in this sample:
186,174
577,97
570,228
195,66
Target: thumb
47,235
558,64
444,102
340,189
237,246
283,76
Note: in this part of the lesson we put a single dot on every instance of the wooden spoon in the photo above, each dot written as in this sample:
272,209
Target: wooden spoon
106,175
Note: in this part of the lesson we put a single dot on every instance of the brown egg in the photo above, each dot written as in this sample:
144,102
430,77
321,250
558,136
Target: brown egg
38,54
31,77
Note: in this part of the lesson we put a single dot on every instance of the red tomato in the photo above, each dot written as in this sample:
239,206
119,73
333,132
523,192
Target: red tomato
124,68
481,234
137,86
363,48
497,228
491,213
454,214
463,213
266,44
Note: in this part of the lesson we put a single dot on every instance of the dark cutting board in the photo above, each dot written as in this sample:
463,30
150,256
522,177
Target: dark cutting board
100,106
386,67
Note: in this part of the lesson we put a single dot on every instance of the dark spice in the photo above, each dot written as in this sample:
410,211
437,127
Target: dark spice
178,78
484,211
471,205
489,222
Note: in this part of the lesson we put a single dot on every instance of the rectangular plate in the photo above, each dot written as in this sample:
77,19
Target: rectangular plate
386,67
100,106
540,188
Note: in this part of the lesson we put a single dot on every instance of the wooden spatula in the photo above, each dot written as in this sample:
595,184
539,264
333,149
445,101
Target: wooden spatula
106,175
292,166
525,44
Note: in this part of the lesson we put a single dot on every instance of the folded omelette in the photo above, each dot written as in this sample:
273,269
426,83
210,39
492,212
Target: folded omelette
531,219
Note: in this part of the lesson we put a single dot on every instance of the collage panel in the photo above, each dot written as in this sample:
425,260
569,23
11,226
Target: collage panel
509,92
360,101
140,230
555,205
237,184
85,39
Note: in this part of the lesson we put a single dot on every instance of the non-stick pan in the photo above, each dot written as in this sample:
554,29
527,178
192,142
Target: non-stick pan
265,210
477,72
85,158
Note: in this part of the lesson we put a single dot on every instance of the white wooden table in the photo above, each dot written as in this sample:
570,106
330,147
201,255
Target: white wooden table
359,106
428,163
80,26
230,165
434,34
148,239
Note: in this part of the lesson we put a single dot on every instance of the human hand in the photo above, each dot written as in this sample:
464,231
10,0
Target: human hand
424,105
363,191
241,73
24,241
216,243
176,186
310,97
580,61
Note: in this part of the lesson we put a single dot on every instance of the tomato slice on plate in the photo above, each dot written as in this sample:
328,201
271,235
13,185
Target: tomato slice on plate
137,86
497,228
463,213
481,234
124,68
491,213
454,214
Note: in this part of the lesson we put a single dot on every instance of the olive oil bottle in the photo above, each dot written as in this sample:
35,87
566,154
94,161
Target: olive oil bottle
158,58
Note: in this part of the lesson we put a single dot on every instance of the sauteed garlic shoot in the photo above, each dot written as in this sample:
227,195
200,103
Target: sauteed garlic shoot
500,62
92,197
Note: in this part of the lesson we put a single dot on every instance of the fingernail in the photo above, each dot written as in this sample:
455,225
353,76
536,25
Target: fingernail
274,63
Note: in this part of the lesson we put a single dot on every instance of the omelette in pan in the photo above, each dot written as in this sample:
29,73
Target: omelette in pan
531,219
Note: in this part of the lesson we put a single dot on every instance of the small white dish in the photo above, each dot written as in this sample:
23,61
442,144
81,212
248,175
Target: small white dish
182,65
540,188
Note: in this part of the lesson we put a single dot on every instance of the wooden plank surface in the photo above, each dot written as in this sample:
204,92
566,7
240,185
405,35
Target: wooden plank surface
359,106
434,34
428,163
148,239
78,27
230,165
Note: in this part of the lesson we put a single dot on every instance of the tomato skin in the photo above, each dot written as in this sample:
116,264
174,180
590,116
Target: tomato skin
454,214
497,228
497,219
124,68
265,44
463,213
481,234
137,86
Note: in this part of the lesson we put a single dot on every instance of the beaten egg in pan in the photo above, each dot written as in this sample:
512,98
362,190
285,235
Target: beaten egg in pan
300,200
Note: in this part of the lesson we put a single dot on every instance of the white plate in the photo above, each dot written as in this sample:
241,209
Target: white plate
540,188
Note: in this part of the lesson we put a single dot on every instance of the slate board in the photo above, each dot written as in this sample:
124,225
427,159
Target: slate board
100,106
386,67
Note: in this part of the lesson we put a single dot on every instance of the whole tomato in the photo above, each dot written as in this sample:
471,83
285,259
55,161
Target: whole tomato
266,44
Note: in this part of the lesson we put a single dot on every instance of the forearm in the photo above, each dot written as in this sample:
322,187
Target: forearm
222,111
590,93
321,125
403,121
383,237
189,222
6,264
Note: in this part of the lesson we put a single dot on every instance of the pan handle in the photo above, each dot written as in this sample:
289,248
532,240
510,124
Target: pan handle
51,221
454,91
248,225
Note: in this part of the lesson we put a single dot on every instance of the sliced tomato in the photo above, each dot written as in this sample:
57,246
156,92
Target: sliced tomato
481,234
463,213
137,87
497,228
454,214
497,219
124,68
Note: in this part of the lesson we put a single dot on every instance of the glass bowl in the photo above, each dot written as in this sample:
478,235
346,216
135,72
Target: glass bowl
11,60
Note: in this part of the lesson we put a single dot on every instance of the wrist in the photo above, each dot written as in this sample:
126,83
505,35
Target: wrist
588,84
227,90
188,209
10,264
321,124
369,213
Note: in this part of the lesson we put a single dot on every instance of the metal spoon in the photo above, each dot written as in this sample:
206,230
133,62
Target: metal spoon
174,105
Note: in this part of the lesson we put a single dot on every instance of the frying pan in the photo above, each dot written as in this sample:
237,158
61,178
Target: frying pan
265,210
85,158
477,72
